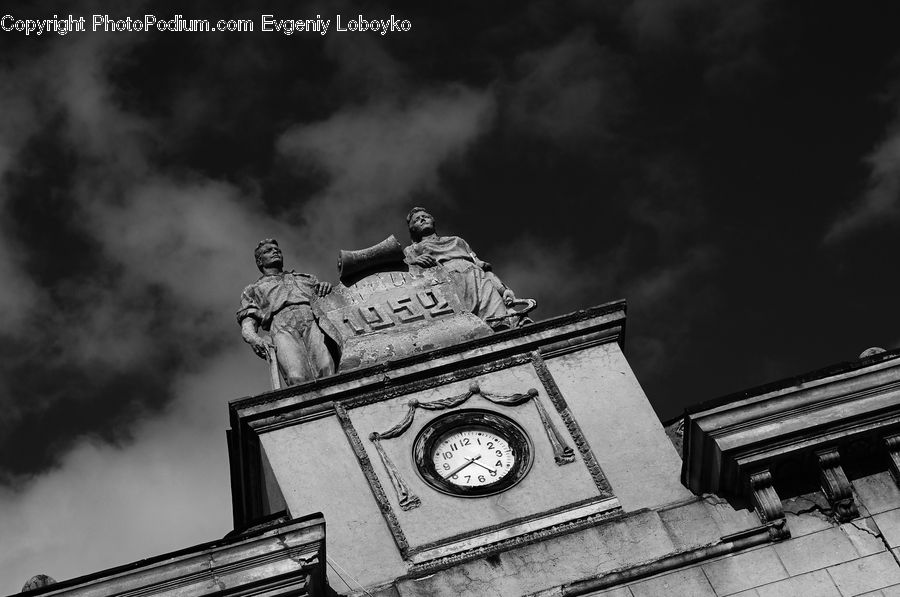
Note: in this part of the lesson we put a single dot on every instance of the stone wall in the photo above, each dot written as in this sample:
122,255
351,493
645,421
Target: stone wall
821,559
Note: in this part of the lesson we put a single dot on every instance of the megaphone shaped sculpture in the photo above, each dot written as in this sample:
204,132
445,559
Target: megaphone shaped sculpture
355,262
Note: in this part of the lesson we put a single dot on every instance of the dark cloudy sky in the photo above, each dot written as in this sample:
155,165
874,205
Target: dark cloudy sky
732,169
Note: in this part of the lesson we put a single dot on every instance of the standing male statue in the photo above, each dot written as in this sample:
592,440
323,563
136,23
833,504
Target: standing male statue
279,301
482,292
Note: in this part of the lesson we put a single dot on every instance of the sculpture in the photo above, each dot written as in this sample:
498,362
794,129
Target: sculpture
481,291
280,302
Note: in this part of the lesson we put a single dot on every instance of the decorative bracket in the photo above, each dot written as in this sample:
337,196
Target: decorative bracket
836,485
893,445
562,453
768,505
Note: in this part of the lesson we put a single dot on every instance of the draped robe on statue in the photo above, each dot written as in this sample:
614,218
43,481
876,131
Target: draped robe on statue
480,291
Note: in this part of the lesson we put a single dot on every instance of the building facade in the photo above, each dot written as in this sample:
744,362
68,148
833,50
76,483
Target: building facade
446,460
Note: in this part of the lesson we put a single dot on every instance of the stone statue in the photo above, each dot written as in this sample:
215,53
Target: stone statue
279,302
481,290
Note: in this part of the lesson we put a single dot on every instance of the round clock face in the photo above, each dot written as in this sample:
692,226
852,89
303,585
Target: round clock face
472,453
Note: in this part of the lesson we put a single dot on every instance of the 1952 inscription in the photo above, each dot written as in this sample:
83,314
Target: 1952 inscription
425,304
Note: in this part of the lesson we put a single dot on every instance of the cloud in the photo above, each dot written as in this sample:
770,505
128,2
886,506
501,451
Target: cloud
106,506
572,91
880,202
560,276
377,156
114,391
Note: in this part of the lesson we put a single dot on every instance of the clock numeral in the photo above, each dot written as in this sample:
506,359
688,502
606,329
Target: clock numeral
448,455
481,478
454,447
490,445
499,453
493,473
465,441
499,463
468,478
446,467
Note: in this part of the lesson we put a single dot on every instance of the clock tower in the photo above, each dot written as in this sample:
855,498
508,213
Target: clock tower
442,451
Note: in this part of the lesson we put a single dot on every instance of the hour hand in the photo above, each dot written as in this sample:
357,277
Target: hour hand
462,466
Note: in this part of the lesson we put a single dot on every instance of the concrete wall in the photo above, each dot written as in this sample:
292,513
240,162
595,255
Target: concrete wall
316,470
822,558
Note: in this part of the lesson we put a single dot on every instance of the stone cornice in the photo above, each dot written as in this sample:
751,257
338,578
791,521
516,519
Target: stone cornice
280,558
728,440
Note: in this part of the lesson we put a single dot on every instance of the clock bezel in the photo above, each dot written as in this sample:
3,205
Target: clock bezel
435,430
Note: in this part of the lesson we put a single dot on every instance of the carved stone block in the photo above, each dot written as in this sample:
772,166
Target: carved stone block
836,486
893,446
768,505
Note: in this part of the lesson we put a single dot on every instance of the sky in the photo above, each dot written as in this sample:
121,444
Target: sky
732,170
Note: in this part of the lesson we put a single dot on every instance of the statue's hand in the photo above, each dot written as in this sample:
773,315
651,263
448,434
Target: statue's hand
509,297
261,347
323,288
425,261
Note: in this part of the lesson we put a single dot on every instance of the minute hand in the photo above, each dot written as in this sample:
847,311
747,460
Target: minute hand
461,467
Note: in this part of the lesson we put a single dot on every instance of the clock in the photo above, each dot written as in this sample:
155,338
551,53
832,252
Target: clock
472,453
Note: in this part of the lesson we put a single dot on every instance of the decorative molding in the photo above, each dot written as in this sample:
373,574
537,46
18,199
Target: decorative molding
541,331
377,490
452,402
892,442
562,453
564,528
408,500
574,429
405,497
836,485
767,504
433,381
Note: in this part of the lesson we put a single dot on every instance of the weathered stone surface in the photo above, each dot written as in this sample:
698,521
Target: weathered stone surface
866,574
690,582
704,521
617,592
806,514
358,538
743,571
877,492
865,536
812,552
889,525
814,584
391,314
637,457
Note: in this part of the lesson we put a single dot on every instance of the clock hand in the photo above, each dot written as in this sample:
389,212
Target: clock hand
482,466
459,468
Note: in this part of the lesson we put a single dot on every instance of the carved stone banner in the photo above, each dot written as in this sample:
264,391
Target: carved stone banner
419,308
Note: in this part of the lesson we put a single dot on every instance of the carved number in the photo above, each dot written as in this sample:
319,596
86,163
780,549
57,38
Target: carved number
436,307
380,322
402,307
353,325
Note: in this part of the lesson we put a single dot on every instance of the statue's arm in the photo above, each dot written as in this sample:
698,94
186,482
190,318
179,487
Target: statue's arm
424,260
250,334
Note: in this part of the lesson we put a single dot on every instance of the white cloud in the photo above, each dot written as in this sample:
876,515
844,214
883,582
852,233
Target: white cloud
376,156
880,202
106,506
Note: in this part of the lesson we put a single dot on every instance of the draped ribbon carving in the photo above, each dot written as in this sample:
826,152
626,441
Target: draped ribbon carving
562,453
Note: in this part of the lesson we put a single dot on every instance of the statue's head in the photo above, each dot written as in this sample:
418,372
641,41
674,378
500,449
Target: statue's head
268,254
420,222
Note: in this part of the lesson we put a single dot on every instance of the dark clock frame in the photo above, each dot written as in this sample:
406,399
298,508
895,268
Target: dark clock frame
517,438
